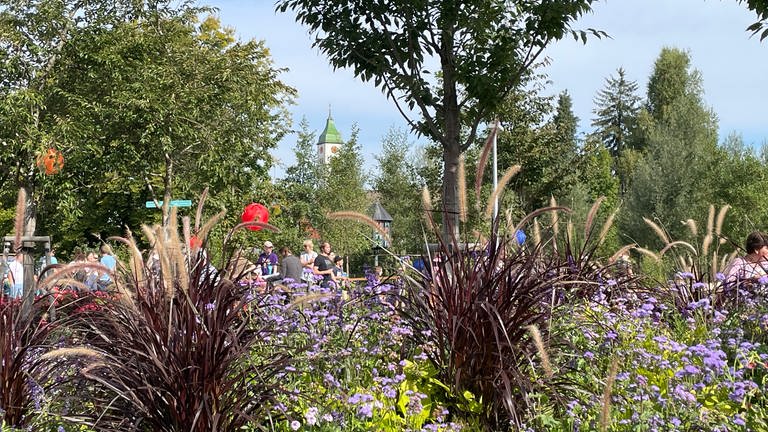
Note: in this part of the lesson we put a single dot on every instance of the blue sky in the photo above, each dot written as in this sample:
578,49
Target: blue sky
734,66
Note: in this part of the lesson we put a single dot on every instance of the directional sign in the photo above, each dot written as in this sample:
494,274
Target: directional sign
174,203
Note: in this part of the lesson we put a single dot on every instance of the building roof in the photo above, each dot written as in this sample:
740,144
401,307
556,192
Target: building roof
330,135
379,213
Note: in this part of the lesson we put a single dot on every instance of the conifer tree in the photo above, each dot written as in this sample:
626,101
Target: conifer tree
616,106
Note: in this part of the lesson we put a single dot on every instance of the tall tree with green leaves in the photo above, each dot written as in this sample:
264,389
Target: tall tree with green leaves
544,148
300,189
343,189
451,62
672,181
399,192
741,177
33,37
171,106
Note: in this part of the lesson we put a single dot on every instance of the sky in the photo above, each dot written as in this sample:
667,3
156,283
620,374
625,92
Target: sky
733,65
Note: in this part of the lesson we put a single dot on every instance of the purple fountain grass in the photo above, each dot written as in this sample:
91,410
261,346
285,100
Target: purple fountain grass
176,353
23,373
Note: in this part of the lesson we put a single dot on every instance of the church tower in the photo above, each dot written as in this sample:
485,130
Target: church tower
329,142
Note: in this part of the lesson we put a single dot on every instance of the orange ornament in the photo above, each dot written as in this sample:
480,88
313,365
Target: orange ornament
51,162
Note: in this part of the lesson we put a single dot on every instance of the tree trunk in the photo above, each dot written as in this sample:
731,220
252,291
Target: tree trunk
451,136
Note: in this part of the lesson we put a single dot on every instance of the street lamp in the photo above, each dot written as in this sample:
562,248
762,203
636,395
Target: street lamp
497,128
384,220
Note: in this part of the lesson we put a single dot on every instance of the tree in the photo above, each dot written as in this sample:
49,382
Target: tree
343,189
399,192
760,7
447,60
545,150
741,179
672,181
34,37
596,173
617,104
671,80
300,188
169,106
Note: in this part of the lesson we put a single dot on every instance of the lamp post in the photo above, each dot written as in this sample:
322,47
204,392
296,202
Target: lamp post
384,220
497,128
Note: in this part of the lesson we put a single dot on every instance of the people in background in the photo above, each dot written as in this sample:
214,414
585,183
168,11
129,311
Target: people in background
16,276
91,274
307,257
268,260
339,277
109,261
290,265
752,266
323,265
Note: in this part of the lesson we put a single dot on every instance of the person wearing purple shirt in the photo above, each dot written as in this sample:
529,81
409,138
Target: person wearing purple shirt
268,260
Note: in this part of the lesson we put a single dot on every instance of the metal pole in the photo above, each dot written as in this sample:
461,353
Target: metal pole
497,129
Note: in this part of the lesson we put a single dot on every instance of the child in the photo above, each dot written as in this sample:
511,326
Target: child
339,277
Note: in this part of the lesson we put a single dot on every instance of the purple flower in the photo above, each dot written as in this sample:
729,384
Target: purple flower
737,419
311,416
365,410
295,425
684,395
210,306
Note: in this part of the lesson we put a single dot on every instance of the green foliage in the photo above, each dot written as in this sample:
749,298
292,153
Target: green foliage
344,190
170,105
616,109
545,150
300,190
760,7
672,181
400,192
479,61
616,106
740,181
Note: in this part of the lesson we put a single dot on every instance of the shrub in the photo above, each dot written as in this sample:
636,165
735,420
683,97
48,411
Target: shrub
171,349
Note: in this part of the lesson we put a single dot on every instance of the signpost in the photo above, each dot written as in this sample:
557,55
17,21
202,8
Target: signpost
174,203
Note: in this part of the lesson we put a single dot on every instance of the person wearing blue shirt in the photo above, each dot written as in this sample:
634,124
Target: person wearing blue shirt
107,260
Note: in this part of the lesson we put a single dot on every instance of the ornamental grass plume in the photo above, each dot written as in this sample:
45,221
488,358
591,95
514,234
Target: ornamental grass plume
172,347
700,259
605,412
473,310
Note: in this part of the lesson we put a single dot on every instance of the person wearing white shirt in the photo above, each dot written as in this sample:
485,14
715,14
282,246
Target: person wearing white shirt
16,273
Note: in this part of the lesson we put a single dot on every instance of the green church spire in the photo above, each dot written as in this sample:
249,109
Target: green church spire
330,135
